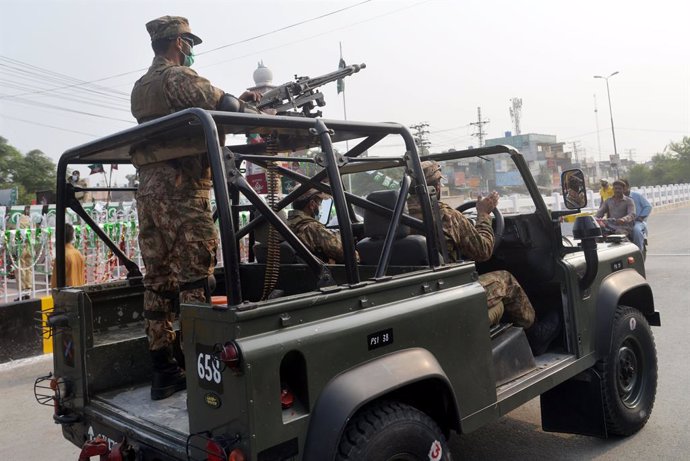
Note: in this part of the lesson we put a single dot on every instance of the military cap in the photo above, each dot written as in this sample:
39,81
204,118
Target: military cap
303,199
170,27
432,171
312,193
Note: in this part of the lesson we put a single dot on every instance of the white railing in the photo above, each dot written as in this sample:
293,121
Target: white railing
656,195
26,255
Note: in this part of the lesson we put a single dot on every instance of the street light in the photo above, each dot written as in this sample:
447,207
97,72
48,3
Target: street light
608,92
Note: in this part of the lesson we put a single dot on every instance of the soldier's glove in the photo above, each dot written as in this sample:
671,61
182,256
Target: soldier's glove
229,103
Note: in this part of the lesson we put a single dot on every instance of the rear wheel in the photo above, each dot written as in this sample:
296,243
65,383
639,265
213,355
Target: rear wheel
629,373
392,431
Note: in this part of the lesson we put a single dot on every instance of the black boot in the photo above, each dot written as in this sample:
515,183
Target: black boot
177,351
168,377
543,332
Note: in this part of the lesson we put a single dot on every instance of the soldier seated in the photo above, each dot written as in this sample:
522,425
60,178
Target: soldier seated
303,221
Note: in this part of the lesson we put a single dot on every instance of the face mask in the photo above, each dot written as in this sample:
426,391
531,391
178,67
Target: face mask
188,59
75,177
317,212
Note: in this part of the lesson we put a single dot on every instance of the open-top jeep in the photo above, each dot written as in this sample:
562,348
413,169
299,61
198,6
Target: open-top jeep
379,358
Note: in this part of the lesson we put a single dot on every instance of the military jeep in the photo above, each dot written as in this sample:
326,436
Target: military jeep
381,357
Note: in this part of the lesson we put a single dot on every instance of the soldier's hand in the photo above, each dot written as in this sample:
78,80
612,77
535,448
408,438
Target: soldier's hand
250,96
487,204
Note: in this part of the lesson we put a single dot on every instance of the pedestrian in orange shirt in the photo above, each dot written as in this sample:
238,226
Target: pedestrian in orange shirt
74,262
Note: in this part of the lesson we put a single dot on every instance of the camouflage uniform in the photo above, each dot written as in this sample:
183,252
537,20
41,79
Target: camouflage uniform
503,292
25,274
177,236
325,244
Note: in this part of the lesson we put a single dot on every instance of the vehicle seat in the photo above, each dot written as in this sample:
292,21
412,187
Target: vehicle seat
407,250
288,255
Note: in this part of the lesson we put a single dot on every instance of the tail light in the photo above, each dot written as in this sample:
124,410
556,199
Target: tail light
204,445
230,356
217,450
51,390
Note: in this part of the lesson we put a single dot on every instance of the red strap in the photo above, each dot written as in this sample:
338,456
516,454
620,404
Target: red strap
93,447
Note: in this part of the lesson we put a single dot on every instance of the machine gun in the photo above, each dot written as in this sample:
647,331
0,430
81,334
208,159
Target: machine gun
302,94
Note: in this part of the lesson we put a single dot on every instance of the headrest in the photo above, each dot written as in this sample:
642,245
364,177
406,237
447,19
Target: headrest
376,225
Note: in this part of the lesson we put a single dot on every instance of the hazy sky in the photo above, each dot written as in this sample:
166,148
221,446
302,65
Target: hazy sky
433,61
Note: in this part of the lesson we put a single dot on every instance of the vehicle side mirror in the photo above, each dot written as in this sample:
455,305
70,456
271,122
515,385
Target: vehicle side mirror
574,190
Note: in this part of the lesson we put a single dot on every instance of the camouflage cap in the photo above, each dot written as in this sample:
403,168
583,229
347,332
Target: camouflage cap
303,199
170,27
432,171
312,193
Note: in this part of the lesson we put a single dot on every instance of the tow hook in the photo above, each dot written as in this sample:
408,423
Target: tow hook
99,447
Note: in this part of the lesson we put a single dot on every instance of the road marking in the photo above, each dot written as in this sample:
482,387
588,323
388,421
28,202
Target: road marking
46,305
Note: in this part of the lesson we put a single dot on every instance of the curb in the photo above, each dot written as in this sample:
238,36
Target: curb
19,333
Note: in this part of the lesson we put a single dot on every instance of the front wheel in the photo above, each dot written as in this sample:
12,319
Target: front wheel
392,431
629,373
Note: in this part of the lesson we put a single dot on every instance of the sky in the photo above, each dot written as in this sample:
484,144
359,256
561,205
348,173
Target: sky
433,61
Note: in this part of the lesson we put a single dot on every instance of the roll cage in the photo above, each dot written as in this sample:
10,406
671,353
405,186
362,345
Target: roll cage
288,134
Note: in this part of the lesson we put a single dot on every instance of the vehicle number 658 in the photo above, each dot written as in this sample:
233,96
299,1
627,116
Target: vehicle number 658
208,368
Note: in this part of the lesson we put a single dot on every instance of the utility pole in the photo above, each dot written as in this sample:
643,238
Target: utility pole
421,133
596,117
576,147
516,114
480,134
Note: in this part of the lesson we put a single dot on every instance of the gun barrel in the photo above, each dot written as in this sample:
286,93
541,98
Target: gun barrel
292,90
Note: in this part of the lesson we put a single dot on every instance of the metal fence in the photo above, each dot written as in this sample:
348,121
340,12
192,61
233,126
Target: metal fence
26,255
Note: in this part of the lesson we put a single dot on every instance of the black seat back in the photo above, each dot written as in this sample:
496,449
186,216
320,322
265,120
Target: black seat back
407,250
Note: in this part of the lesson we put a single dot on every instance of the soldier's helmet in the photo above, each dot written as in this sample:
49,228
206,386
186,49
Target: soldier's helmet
303,199
432,171
171,27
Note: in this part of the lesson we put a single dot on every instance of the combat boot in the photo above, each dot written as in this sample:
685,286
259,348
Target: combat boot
168,377
542,333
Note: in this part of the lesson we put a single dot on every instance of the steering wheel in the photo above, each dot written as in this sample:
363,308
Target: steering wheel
498,222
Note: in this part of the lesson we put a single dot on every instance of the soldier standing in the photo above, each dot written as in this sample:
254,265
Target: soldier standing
177,236
503,292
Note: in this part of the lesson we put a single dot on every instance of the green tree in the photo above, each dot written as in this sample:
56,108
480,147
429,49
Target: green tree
681,152
9,160
639,175
30,173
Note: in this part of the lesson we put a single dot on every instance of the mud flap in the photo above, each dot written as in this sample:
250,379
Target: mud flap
575,406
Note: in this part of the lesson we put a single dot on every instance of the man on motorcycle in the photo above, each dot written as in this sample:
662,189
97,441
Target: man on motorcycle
620,211
642,210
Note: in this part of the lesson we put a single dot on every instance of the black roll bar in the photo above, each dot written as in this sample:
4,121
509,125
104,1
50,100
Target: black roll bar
338,194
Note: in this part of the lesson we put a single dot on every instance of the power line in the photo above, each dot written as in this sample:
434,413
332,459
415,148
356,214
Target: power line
61,78
82,83
51,106
265,34
48,126
328,32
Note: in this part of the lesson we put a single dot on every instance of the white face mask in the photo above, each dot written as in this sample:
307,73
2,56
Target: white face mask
75,177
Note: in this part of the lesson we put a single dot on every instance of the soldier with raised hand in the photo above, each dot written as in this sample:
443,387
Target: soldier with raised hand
505,296
177,236
303,221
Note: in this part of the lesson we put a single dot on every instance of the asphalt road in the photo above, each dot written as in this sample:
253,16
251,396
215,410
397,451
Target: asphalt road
27,430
